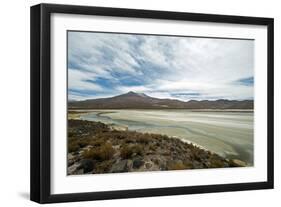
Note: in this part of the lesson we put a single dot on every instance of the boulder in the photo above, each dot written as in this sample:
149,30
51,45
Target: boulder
237,163
87,165
118,167
71,170
137,162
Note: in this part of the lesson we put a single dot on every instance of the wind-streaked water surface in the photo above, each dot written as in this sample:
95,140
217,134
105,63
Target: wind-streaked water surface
230,134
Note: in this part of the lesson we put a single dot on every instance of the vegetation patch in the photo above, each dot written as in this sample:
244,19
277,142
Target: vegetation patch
94,147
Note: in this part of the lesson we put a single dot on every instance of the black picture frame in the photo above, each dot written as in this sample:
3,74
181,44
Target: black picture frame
41,99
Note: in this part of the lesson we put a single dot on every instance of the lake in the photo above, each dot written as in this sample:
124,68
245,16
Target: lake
227,133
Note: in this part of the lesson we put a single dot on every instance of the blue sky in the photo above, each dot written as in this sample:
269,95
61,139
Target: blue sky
107,64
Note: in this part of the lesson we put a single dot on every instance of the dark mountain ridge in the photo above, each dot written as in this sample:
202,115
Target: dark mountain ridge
132,100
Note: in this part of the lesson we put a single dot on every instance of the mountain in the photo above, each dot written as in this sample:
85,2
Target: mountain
132,100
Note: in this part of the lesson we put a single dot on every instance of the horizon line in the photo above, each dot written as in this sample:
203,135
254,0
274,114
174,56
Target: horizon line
249,99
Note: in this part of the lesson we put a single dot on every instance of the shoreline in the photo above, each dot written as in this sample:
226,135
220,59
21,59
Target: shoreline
192,110
125,128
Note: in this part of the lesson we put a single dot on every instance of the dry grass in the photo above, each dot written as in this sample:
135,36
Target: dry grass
104,152
127,151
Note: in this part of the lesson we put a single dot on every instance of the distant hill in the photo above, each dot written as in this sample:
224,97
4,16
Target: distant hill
132,100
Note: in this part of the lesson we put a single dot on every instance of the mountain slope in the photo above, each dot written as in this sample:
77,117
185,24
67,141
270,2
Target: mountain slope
132,100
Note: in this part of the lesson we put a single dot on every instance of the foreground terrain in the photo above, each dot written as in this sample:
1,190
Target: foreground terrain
94,147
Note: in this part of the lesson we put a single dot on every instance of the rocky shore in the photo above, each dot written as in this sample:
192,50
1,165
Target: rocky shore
94,147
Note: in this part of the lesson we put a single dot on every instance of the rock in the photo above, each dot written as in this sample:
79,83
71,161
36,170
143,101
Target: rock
150,152
118,167
129,165
71,170
70,162
207,164
79,172
70,156
165,152
137,163
148,165
160,162
162,166
88,147
197,165
134,154
87,165
237,163
70,159
75,153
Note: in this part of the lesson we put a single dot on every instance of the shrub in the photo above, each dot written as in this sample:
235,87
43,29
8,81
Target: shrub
89,154
104,152
153,147
83,142
216,163
145,139
97,142
71,133
104,166
176,166
73,147
128,150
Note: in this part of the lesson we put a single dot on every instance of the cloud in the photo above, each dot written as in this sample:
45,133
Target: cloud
246,81
79,80
161,66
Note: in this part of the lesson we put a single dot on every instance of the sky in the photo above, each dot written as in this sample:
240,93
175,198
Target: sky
186,68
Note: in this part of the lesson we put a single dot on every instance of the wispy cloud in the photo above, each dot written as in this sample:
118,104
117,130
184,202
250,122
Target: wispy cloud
79,80
246,81
104,64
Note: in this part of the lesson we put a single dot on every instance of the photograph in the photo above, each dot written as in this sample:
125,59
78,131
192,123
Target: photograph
143,102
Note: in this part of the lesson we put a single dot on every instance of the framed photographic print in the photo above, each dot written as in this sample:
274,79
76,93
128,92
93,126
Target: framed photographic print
132,103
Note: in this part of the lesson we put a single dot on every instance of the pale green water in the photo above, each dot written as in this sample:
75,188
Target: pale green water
229,134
